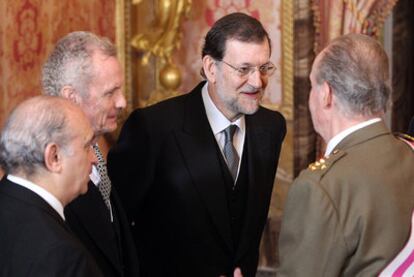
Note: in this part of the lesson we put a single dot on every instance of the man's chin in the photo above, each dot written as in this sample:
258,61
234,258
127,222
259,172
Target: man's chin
106,129
249,109
84,188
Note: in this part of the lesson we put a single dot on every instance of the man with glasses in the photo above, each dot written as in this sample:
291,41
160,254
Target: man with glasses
196,172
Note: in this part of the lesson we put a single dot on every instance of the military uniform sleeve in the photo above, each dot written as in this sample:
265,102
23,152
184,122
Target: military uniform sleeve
311,241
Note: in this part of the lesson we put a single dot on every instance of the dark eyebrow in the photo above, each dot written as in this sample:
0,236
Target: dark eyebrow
249,64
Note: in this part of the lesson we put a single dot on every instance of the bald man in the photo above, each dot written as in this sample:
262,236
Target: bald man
45,151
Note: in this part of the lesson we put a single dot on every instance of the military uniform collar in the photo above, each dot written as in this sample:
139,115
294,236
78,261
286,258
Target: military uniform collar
342,135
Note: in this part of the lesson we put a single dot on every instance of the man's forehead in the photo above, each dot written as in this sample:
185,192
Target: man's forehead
238,47
234,41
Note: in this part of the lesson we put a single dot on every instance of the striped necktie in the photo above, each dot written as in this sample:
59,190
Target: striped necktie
230,153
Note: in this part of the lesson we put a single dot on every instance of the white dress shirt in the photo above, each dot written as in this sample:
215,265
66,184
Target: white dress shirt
339,137
44,194
219,123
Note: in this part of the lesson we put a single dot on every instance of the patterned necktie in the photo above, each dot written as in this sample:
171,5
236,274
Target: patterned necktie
104,184
230,153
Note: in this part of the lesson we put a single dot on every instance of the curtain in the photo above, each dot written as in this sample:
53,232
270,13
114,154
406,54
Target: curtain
333,18
337,17
403,65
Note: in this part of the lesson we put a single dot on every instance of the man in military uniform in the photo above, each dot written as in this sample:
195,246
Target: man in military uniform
349,213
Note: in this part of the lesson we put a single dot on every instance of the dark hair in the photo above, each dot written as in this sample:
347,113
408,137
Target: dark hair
237,26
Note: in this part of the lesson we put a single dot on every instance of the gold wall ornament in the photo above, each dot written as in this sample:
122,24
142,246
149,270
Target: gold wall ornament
170,79
161,40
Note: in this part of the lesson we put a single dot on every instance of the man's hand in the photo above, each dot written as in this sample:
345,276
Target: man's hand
237,273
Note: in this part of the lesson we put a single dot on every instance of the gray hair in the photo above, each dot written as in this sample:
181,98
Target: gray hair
356,68
31,126
70,63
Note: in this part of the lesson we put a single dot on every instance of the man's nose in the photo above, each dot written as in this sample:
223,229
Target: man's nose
255,79
120,101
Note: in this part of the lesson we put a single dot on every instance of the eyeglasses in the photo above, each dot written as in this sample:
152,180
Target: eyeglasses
243,71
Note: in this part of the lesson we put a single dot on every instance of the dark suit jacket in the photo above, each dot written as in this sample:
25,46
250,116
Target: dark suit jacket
111,244
410,130
34,240
167,169
350,214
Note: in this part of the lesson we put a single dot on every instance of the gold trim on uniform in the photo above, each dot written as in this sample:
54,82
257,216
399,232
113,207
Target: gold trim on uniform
405,138
322,163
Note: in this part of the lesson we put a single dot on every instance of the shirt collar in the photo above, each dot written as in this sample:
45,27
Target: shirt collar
340,136
217,120
44,194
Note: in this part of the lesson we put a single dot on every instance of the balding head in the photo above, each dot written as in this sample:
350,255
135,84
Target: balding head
31,126
48,141
355,66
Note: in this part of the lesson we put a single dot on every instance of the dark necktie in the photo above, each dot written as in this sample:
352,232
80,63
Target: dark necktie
230,153
104,184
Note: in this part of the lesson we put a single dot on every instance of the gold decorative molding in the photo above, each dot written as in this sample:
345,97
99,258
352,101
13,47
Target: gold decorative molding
287,19
161,40
287,44
122,26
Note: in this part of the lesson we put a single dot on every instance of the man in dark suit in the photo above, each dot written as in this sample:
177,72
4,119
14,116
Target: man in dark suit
410,130
83,68
349,213
196,172
45,151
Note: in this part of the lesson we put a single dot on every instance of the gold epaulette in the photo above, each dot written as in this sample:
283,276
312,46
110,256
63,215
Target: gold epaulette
405,138
322,163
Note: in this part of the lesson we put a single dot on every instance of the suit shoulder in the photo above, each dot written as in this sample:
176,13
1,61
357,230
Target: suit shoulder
162,114
170,106
267,113
163,107
270,121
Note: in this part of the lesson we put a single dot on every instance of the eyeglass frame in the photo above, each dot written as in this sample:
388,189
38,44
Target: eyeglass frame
251,69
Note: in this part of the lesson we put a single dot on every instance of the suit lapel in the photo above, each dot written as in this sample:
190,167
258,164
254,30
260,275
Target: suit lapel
97,224
258,141
199,148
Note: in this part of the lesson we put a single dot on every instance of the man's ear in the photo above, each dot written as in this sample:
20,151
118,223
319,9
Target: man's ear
210,68
327,95
70,93
53,157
